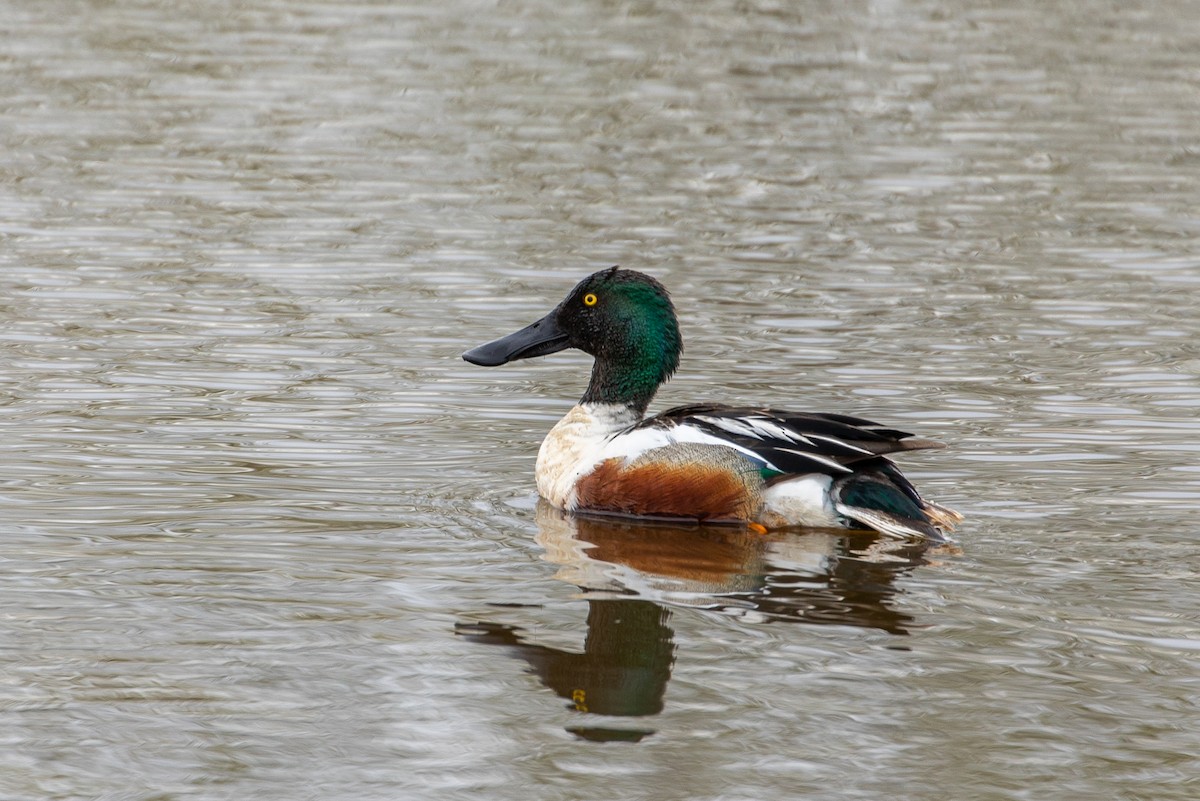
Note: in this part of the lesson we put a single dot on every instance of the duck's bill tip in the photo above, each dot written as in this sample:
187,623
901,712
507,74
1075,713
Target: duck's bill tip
537,339
484,356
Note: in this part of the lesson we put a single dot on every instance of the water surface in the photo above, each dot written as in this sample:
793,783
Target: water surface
265,535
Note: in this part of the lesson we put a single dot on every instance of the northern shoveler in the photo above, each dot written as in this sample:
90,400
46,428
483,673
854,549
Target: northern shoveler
764,468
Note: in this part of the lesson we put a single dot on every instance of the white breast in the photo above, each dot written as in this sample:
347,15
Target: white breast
576,444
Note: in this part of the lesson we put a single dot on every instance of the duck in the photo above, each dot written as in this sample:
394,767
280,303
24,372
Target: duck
758,467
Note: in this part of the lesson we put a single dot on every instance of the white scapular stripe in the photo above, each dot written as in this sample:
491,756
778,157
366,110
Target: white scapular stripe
840,468
687,433
840,442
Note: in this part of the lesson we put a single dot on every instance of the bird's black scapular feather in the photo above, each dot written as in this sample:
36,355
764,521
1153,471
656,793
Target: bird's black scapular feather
796,442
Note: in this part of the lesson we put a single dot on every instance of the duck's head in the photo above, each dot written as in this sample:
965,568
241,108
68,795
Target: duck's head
621,317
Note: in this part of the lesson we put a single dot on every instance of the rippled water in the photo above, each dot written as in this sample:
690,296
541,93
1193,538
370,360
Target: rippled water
265,535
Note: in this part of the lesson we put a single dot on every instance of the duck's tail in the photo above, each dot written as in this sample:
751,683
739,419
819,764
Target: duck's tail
881,498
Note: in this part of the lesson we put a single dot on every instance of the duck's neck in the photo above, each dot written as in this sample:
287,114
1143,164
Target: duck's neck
631,367
626,383
605,419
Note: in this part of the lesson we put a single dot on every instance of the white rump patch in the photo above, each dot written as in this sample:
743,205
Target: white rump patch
803,501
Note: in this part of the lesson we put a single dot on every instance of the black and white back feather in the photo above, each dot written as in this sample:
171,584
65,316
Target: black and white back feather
793,443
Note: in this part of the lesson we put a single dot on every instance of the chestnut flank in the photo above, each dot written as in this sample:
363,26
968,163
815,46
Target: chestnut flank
697,492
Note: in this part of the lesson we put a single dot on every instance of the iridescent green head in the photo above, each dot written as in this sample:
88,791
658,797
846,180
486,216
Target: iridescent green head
621,317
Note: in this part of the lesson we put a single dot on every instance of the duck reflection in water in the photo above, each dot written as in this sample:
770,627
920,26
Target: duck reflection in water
633,573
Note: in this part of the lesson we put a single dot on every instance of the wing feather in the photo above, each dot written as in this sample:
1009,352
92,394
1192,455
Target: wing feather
788,443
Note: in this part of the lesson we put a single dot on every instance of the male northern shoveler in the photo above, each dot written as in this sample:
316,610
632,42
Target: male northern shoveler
761,467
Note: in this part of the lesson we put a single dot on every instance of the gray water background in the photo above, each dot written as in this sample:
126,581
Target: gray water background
265,536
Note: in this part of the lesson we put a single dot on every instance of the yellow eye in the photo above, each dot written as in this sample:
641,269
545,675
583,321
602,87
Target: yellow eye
589,299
